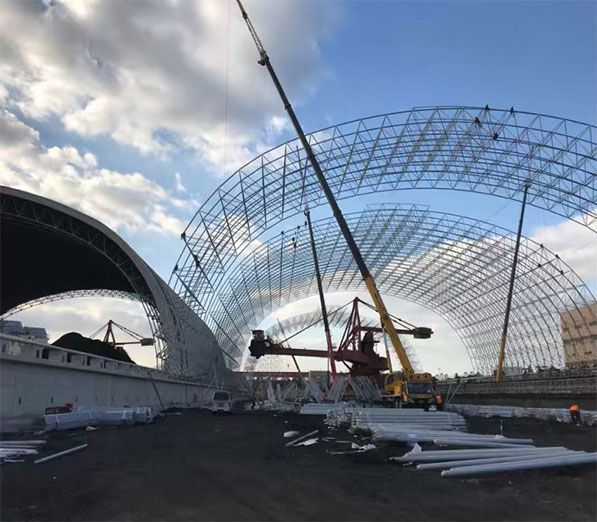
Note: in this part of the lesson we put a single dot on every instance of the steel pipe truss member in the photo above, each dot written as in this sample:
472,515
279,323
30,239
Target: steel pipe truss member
427,148
73,294
453,265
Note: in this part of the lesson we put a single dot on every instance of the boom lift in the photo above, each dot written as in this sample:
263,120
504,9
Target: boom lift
409,379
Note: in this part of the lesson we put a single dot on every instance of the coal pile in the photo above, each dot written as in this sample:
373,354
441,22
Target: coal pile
75,341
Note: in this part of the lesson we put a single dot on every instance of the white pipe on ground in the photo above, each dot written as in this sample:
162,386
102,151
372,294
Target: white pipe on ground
423,436
60,454
406,431
302,437
7,452
21,443
436,456
473,442
475,462
547,462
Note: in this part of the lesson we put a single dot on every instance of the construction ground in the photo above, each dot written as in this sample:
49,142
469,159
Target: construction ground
199,466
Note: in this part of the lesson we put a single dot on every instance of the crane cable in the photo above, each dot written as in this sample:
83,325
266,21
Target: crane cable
224,163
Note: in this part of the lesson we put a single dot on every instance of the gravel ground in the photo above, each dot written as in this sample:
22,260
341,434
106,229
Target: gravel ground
199,466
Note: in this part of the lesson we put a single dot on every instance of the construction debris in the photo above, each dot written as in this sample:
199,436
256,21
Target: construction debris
354,448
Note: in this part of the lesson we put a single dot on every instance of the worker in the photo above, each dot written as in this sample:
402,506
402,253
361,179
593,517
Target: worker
439,402
574,414
477,122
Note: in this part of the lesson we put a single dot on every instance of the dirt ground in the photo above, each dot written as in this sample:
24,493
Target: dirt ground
199,466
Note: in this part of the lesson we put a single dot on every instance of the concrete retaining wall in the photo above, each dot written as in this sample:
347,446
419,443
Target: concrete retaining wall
34,376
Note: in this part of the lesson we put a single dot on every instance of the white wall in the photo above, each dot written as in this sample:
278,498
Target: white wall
30,383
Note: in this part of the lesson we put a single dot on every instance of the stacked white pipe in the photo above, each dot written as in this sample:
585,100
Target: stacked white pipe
512,455
385,420
14,450
588,418
98,416
390,419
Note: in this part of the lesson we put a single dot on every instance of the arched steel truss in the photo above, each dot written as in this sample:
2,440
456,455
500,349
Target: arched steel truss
474,149
456,266
91,292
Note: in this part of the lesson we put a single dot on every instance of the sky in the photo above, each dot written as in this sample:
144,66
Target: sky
135,111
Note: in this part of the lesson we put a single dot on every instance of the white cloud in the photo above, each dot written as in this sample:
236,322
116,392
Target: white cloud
179,185
122,201
159,75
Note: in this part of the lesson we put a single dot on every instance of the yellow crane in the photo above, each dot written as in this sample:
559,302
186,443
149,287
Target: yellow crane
403,385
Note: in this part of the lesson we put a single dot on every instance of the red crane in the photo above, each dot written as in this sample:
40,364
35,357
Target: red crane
356,350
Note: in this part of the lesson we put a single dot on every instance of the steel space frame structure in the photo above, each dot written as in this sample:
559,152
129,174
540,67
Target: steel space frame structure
474,149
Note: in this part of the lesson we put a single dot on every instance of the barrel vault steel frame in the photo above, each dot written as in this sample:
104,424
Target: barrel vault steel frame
475,149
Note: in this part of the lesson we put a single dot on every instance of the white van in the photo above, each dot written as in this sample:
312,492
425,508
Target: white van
221,401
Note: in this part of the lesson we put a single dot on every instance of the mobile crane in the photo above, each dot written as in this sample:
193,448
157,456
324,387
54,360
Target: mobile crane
403,384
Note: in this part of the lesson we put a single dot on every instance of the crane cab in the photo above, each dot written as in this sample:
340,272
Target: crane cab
414,391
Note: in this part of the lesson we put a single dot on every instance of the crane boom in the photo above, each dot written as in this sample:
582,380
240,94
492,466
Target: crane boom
354,249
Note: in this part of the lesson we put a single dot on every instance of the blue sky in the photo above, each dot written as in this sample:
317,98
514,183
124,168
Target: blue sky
166,99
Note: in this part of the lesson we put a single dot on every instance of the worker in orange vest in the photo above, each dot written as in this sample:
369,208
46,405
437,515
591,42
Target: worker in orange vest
574,414
439,402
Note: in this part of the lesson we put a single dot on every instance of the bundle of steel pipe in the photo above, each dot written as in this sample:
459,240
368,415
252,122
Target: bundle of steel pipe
321,408
436,421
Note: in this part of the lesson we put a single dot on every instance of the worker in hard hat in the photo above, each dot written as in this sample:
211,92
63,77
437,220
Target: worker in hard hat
439,402
574,414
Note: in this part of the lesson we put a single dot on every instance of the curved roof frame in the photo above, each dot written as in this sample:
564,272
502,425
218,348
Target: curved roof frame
41,214
73,294
184,345
453,265
473,149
